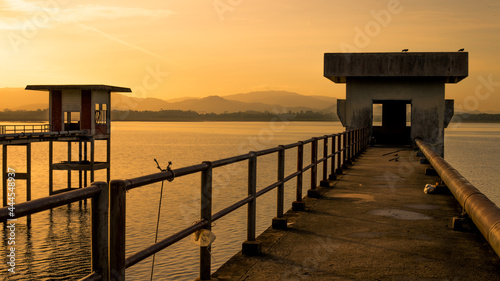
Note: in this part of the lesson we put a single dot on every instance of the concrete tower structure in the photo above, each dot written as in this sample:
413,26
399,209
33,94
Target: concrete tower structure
410,88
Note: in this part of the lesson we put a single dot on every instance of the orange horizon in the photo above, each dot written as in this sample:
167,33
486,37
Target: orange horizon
220,47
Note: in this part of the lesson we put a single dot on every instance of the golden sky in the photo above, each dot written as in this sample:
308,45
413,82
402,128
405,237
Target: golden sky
170,49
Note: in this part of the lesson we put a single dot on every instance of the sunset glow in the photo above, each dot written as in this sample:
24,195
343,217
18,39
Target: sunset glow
172,49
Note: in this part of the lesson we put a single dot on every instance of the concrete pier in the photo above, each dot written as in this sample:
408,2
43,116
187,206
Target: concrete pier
376,223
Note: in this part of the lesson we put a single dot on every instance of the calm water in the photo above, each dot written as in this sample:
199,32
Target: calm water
57,247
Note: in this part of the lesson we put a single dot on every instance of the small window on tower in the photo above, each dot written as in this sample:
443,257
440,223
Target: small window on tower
100,113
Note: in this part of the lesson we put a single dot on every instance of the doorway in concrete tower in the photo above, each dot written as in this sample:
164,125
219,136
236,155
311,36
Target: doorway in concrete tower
392,122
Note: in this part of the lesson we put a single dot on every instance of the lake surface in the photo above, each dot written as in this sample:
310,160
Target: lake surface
57,246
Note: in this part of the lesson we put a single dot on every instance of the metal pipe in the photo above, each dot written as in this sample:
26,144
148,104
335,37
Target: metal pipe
267,189
231,160
484,213
267,151
155,248
157,177
292,145
46,134
231,208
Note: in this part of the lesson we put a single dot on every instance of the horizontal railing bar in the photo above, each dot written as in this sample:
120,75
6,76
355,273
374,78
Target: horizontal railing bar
230,160
43,134
292,145
267,151
94,276
267,189
289,177
231,208
307,141
307,167
157,177
46,203
145,180
144,254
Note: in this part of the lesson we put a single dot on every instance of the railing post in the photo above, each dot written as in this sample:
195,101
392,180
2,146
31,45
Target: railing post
325,182
355,141
325,156
345,146
367,138
339,155
116,237
4,175
99,212
313,192
360,139
251,247
332,175
349,147
279,222
299,204
206,215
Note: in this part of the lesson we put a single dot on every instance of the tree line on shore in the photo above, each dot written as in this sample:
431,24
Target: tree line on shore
42,115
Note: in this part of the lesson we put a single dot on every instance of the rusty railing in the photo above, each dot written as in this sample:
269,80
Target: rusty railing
109,201
16,129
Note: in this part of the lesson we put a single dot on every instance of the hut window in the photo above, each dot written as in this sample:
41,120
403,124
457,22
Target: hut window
100,113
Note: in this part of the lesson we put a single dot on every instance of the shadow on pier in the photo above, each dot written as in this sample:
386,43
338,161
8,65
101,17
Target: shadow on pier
376,223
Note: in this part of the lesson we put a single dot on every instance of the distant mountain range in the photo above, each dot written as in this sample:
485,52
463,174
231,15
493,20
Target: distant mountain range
272,101
257,101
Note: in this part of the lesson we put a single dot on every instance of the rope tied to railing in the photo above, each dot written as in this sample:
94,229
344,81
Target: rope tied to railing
159,207
167,169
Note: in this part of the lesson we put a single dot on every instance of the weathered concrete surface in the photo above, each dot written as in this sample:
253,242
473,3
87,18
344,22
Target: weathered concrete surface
415,78
450,66
375,224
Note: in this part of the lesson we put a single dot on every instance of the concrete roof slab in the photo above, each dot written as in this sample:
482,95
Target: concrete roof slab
78,87
451,66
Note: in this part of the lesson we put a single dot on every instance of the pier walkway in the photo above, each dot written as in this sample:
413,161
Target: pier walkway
375,223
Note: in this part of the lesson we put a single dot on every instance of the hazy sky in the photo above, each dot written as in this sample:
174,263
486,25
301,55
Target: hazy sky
170,49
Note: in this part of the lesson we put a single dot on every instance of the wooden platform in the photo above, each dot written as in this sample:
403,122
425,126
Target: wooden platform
376,223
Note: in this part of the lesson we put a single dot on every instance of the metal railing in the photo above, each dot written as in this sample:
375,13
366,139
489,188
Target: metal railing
16,129
350,145
99,193
484,213
108,235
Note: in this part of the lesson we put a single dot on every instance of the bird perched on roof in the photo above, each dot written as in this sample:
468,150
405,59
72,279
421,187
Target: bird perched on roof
461,50
404,50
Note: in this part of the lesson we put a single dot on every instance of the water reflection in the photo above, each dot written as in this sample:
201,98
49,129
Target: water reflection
56,246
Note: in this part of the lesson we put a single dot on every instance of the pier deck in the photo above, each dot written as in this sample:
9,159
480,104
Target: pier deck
376,223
